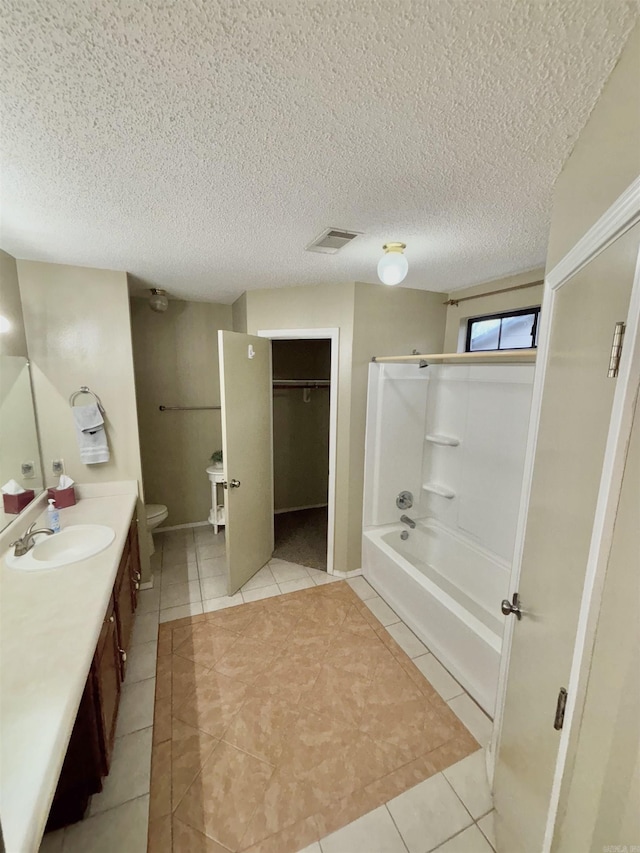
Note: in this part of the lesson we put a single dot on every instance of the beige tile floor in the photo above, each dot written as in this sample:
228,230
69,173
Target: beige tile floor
118,817
190,566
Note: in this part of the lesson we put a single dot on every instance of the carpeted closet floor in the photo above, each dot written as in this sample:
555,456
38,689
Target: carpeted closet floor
301,537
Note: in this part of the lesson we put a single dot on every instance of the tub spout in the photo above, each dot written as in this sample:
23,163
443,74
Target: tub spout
406,520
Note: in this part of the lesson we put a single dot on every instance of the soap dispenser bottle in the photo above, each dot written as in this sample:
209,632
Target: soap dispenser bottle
54,516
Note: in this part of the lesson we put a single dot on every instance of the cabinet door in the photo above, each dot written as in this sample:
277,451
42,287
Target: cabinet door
135,575
124,613
106,675
82,770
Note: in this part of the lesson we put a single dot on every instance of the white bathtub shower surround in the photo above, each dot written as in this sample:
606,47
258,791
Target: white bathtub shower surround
455,436
442,588
486,408
396,412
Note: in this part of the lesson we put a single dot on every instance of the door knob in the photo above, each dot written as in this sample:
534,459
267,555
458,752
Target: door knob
234,484
512,606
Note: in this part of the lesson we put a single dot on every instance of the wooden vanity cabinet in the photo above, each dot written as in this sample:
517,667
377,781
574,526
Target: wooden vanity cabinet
88,756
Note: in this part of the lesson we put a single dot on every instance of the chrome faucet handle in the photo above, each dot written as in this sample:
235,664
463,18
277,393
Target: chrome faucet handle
24,536
404,500
26,542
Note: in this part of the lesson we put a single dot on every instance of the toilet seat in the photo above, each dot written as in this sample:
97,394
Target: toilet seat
155,513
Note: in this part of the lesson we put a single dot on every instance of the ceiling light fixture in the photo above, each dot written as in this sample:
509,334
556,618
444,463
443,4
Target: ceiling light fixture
393,266
158,300
5,324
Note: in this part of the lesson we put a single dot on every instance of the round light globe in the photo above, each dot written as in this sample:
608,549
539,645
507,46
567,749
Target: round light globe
5,325
158,300
392,267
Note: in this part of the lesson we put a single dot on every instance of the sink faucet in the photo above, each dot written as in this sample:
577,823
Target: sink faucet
26,542
406,520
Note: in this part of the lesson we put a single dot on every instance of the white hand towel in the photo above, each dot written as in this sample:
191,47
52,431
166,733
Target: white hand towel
92,439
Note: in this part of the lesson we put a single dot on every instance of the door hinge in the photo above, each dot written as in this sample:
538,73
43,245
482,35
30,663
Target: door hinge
616,350
561,704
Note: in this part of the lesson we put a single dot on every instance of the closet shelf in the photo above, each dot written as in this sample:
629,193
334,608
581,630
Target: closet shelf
437,489
445,440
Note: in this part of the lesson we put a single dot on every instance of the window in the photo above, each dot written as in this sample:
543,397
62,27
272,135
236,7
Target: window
509,330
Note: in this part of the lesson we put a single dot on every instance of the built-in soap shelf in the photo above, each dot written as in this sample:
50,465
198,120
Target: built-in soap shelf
445,440
437,489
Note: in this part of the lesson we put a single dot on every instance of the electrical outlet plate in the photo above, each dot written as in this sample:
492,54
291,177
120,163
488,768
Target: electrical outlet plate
57,466
28,470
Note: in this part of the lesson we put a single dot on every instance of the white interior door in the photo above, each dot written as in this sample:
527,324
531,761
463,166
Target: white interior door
572,435
245,399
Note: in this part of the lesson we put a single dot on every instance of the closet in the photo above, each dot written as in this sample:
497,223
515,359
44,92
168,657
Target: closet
301,410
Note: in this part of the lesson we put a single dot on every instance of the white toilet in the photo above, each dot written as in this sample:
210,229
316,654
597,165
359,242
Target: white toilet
156,514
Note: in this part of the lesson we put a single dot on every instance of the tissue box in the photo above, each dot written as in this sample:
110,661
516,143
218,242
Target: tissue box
14,504
63,497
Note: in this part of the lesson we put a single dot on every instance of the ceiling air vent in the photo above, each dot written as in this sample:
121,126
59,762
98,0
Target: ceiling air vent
331,241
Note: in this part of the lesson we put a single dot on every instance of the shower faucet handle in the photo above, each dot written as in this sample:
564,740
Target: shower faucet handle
404,500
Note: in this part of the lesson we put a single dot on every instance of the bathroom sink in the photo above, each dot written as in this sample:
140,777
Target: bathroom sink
74,543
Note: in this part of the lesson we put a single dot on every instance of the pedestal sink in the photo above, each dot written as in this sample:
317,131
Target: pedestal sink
74,543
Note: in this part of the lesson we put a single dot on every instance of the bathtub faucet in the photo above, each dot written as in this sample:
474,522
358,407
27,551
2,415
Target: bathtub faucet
406,520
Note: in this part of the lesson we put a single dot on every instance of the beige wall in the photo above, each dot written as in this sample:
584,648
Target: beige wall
600,807
78,333
605,159
457,315
176,364
239,314
326,306
372,319
388,321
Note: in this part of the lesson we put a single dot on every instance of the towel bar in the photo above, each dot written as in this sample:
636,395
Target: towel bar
84,389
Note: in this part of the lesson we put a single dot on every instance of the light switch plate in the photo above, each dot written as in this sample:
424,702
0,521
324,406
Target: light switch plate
28,470
57,466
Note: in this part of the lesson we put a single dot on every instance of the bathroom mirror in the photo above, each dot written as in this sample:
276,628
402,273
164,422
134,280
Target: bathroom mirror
19,449
20,458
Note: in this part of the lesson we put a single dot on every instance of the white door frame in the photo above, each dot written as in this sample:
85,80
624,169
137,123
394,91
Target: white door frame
621,216
334,336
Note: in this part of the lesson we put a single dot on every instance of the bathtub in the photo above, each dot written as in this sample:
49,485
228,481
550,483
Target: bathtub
448,590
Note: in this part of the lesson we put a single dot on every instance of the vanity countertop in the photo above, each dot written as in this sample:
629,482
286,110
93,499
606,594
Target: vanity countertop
50,622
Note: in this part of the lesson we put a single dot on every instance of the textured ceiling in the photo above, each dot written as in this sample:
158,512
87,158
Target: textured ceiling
201,145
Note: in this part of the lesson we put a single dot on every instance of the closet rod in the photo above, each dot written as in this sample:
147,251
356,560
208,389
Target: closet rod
454,301
460,357
186,408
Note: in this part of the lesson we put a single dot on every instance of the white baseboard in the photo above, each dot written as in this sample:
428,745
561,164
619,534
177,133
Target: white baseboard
352,574
297,508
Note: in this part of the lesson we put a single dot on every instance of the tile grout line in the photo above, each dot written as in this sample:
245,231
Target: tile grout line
458,795
406,846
